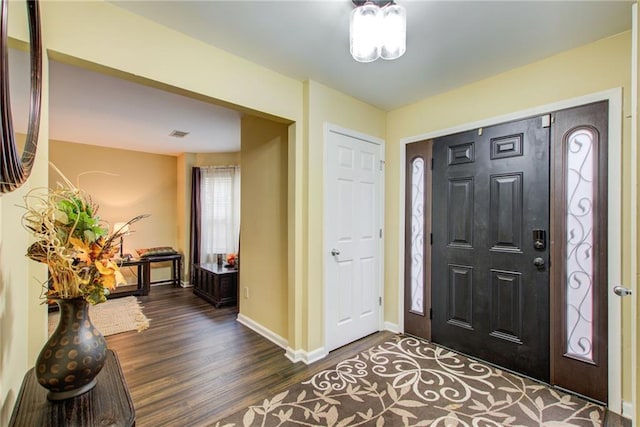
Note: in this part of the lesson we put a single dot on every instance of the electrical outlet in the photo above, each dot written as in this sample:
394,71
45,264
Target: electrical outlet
246,292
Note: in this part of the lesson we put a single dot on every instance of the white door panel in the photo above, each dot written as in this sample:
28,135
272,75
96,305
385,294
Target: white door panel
353,195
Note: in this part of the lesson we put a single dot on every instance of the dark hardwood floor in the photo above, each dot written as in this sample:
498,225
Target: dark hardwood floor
197,364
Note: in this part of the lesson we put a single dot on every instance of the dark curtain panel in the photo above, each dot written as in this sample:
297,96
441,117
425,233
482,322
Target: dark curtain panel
194,233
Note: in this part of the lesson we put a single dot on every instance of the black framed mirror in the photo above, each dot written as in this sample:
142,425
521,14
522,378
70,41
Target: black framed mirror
16,167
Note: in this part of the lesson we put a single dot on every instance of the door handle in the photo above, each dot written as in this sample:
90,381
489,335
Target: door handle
335,252
538,262
621,291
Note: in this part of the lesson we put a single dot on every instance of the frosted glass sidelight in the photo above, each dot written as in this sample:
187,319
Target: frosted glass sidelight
417,236
580,188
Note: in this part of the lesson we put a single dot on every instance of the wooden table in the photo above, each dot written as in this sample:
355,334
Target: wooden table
143,285
107,404
176,267
215,283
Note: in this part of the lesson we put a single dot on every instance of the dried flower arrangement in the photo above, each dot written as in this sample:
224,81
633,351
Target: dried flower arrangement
74,243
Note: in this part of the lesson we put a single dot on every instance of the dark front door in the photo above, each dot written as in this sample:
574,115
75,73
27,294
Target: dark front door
490,278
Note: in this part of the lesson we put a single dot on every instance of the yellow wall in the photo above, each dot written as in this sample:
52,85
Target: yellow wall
592,68
635,285
263,224
125,184
110,37
325,105
185,162
22,316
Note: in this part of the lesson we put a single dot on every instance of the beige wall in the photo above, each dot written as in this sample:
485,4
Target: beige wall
263,224
325,105
125,184
592,68
185,162
22,316
109,37
634,379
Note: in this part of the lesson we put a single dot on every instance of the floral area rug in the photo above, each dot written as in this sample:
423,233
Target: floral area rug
410,382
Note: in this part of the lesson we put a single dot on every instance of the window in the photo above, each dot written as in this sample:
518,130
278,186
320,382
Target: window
220,211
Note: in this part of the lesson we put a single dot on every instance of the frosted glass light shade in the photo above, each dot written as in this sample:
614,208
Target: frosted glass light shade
365,33
394,31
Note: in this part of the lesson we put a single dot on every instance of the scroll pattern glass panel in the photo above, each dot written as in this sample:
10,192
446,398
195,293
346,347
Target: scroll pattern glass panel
579,245
417,236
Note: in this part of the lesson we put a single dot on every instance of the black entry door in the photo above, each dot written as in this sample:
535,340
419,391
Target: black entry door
490,279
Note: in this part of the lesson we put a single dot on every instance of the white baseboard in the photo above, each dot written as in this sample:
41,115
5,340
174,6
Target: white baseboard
306,357
627,409
392,327
267,333
185,284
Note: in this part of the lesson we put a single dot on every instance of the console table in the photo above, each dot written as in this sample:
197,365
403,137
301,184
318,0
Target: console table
176,267
107,404
215,283
144,277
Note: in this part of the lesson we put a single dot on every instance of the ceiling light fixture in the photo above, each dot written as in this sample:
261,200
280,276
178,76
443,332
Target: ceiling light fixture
378,29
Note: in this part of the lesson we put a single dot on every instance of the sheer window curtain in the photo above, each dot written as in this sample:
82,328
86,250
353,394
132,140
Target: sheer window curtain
220,211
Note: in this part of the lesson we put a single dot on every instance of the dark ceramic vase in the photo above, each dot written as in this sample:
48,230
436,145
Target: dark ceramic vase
74,354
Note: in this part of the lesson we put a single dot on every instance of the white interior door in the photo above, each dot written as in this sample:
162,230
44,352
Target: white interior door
353,237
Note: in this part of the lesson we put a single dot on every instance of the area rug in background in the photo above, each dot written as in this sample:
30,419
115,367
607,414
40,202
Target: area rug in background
411,382
112,317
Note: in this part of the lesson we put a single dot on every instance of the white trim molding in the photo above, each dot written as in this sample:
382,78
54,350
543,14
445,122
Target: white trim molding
305,357
614,96
265,332
393,327
627,410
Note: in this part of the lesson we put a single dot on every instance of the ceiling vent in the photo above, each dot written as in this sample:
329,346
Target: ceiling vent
178,134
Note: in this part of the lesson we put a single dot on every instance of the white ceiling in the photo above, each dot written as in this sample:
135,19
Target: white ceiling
449,43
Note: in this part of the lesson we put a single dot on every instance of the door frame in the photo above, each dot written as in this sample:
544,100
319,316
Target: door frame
328,129
614,227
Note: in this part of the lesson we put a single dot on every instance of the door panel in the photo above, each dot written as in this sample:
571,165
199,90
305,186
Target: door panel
579,249
417,276
352,276
490,191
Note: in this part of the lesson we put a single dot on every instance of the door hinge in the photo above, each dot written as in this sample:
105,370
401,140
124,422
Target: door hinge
432,161
431,314
431,239
381,164
546,120
381,233
380,301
